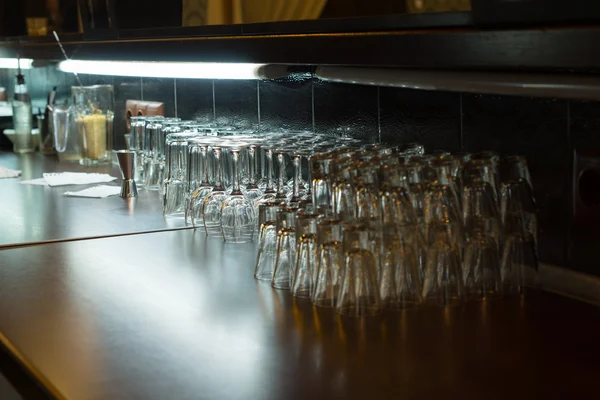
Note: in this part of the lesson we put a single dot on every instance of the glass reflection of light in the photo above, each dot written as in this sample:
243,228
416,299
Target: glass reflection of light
159,69
131,205
14,63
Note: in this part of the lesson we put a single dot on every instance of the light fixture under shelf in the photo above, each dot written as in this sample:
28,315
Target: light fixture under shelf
553,85
159,69
12,63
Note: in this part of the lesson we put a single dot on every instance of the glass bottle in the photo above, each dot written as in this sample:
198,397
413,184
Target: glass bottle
22,118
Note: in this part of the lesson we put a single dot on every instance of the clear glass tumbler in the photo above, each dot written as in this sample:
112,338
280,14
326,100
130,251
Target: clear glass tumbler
176,179
267,241
481,267
330,263
443,282
211,207
304,274
286,248
359,289
238,215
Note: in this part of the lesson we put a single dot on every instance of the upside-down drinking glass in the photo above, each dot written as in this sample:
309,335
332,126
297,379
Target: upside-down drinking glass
484,167
400,282
212,204
443,283
155,156
137,124
518,210
252,191
286,248
199,178
267,241
176,179
330,263
238,215
306,261
359,289
480,212
519,264
481,267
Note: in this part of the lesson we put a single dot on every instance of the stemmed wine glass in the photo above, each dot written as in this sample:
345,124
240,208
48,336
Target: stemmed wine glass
268,192
296,195
280,153
205,187
253,192
176,180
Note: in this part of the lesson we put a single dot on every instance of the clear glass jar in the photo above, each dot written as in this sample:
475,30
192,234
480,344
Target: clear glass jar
94,107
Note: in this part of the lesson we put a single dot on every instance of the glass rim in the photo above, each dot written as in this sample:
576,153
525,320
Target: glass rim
514,157
182,135
357,226
485,154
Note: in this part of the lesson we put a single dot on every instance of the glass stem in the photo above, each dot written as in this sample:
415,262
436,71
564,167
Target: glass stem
282,177
189,172
252,168
170,157
193,170
218,170
309,179
297,177
205,171
235,155
269,171
181,164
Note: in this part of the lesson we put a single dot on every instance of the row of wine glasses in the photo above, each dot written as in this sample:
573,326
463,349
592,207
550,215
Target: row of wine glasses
238,174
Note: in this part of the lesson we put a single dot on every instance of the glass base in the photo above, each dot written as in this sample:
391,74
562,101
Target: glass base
23,151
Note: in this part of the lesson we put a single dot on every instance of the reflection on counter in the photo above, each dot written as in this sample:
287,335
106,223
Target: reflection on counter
23,143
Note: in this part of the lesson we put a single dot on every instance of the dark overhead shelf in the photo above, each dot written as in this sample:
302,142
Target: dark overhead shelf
553,49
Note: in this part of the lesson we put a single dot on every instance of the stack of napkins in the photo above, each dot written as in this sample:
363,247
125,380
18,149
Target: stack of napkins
38,181
76,178
98,192
79,178
69,178
8,173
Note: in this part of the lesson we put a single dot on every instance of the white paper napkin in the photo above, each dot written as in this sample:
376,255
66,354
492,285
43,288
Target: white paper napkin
38,181
99,192
76,178
8,173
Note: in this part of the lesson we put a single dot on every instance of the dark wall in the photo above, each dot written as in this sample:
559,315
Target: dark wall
362,8
547,131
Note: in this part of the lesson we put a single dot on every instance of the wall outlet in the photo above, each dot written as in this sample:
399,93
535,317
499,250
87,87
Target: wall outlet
586,187
139,107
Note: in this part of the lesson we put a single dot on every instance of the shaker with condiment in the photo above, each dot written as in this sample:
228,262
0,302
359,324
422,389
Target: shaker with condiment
94,109
22,117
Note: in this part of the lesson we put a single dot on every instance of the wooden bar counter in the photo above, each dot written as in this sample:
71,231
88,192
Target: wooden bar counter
174,315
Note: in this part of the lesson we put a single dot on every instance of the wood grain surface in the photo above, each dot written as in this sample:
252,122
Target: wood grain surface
177,315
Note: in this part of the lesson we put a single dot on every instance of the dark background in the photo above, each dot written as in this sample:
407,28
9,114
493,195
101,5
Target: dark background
132,14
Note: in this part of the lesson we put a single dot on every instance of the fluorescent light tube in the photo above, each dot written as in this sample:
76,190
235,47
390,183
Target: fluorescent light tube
159,69
13,63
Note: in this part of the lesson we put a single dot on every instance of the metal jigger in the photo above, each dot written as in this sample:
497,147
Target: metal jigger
127,165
